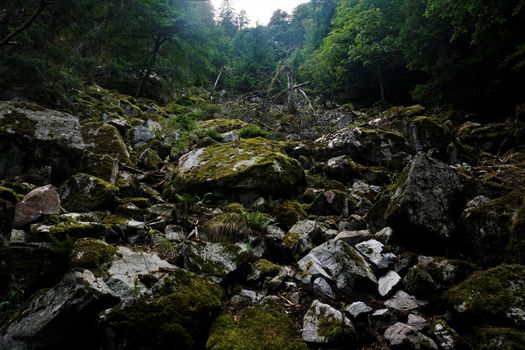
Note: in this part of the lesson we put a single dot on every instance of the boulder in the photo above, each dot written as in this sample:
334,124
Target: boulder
84,192
303,236
253,165
177,314
493,338
366,146
422,211
215,260
33,139
40,201
344,169
46,322
373,250
403,336
495,296
339,264
101,138
258,328
323,324
493,230
387,283
433,275
358,308
495,137
402,302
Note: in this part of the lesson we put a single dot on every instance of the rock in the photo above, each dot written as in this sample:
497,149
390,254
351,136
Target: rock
321,287
340,264
323,324
102,166
432,275
492,338
256,165
33,265
40,201
303,236
404,336
402,302
344,169
33,137
46,322
495,137
381,314
421,211
101,138
92,254
373,250
127,267
222,125
141,136
84,192
150,160
257,328
417,322
366,146
493,231
177,315
333,202
290,212
358,308
427,133
215,260
388,282
446,337
495,295
384,235
353,237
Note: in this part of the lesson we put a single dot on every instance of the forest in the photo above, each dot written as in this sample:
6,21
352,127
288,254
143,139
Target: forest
349,175
468,55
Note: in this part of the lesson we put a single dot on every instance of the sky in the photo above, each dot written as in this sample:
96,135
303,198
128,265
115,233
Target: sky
261,10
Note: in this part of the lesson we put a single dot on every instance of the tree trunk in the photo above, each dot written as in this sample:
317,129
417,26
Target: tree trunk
151,63
381,85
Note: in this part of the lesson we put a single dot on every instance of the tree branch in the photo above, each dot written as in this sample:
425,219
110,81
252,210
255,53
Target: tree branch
41,6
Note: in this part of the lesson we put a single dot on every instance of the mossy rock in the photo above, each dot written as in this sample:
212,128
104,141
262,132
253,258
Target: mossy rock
255,328
102,166
495,231
494,138
84,192
496,296
229,227
426,133
178,317
92,254
254,165
222,125
492,338
101,138
290,212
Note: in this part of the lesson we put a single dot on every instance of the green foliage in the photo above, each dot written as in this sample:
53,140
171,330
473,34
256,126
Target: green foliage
251,131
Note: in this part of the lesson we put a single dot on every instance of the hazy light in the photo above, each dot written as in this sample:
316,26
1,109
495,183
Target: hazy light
260,10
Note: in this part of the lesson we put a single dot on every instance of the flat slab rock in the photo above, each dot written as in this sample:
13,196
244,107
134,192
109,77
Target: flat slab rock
403,335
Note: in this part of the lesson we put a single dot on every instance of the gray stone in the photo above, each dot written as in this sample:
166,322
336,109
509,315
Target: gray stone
40,201
215,260
84,192
388,282
58,317
340,263
126,268
357,308
321,287
353,237
421,210
373,250
381,313
174,233
32,138
402,302
321,315
384,235
141,136
403,335
446,337
417,322
304,235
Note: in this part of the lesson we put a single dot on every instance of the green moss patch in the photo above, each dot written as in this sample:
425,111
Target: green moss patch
255,328
222,125
92,254
492,338
491,295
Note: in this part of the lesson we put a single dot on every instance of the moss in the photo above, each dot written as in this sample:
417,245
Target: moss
251,131
255,328
234,208
222,125
17,122
266,267
290,212
254,164
92,254
334,330
114,220
227,227
492,338
490,294
8,194
83,192
291,240
71,229
101,138
178,319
